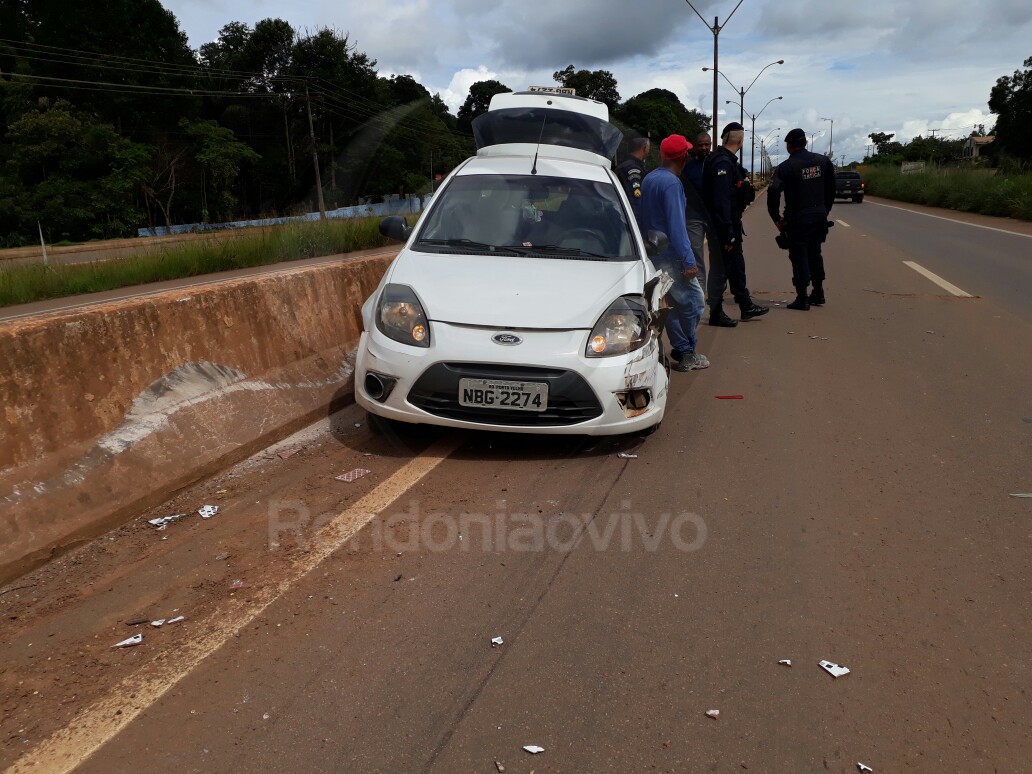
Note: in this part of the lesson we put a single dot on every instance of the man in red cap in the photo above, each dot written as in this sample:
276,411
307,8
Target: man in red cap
662,209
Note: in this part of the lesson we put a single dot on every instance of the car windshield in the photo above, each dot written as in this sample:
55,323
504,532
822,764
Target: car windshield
531,215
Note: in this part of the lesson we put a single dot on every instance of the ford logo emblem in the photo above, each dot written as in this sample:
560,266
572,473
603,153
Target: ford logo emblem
506,339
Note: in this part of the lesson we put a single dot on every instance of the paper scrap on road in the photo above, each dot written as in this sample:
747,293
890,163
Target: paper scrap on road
714,714
496,641
834,669
730,397
863,767
786,662
353,475
627,456
207,511
136,639
164,521
1022,494
533,749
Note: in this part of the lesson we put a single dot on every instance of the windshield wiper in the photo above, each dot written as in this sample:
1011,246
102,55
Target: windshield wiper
468,244
557,250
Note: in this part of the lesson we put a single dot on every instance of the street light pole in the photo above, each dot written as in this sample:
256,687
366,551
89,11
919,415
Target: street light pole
741,94
754,117
715,29
831,137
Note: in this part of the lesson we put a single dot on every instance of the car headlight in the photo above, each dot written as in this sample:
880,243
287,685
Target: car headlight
400,316
623,328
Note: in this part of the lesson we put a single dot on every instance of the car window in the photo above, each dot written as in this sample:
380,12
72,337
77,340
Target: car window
531,215
850,175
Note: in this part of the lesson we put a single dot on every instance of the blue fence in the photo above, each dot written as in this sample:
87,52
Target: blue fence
413,205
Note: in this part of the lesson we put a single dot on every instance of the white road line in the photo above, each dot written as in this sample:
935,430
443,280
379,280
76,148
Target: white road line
947,286
952,220
147,293
98,723
843,223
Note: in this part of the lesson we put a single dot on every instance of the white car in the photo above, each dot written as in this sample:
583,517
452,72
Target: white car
523,299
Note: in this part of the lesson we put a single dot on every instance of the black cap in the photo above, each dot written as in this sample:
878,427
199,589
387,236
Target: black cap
796,138
734,126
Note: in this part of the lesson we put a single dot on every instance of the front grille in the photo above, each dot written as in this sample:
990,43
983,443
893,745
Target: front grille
570,399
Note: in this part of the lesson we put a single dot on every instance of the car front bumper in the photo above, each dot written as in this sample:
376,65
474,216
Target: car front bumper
584,393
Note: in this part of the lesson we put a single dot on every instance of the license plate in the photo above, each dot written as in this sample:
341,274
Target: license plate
489,393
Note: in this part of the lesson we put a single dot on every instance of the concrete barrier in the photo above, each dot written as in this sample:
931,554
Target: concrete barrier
112,408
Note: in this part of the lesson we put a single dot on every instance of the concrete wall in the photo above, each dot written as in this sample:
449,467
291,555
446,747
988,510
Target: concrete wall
112,408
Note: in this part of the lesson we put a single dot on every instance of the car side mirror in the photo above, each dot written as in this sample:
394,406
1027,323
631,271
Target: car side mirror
656,242
395,228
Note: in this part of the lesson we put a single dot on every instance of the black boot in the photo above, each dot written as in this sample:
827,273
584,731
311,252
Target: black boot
751,310
802,303
817,296
720,318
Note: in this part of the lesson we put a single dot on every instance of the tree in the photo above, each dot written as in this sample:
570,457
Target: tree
1011,101
477,102
658,113
880,139
594,84
220,156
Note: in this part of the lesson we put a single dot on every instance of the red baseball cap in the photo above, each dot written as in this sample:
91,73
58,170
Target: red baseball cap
674,147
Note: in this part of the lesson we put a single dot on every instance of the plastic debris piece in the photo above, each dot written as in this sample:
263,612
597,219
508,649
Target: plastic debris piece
157,624
815,337
714,714
500,767
353,475
221,491
786,662
1022,494
164,521
265,716
177,619
207,511
863,767
136,639
834,669
730,397
533,749
627,456
496,641
239,584
222,557
791,333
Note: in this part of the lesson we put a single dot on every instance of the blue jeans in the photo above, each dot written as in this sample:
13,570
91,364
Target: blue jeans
689,302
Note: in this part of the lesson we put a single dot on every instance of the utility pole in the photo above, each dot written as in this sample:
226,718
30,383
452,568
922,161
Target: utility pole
431,171
715,29
333,160
933,131
315,156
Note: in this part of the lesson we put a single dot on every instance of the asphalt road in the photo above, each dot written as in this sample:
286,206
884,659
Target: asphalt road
852,506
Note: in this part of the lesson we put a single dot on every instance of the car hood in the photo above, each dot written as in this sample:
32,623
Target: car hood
515,292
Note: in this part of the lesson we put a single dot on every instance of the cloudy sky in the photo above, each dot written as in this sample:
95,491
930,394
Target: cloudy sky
904,66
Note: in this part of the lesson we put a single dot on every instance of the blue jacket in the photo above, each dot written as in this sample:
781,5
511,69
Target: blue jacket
662,209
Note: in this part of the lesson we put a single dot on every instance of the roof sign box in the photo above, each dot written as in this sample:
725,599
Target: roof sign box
554,90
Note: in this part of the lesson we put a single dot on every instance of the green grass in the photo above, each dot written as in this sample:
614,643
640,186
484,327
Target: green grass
967,190
24,283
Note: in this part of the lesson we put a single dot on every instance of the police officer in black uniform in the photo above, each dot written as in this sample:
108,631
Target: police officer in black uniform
727,192
808,182
632,171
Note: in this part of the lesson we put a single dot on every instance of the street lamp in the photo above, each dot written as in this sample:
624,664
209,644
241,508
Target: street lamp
715,29
831,137
763,143
741,92
754,117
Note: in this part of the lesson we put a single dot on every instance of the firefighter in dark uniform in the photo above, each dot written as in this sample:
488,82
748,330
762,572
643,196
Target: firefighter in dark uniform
808,181
726,193
632,172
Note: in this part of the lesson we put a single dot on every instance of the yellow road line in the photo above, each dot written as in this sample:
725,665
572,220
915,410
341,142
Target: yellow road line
97,724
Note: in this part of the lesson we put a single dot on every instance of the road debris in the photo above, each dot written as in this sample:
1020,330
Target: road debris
496,641
221,491
786,662
627,456
288,453
500,767
164,521
158,623
238,584
933,333
265,716
834,669
136,639
207,511
863,767
222,557
791,333
533,749
136,621
713,714
730,397
1022,494
353,475
177,619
